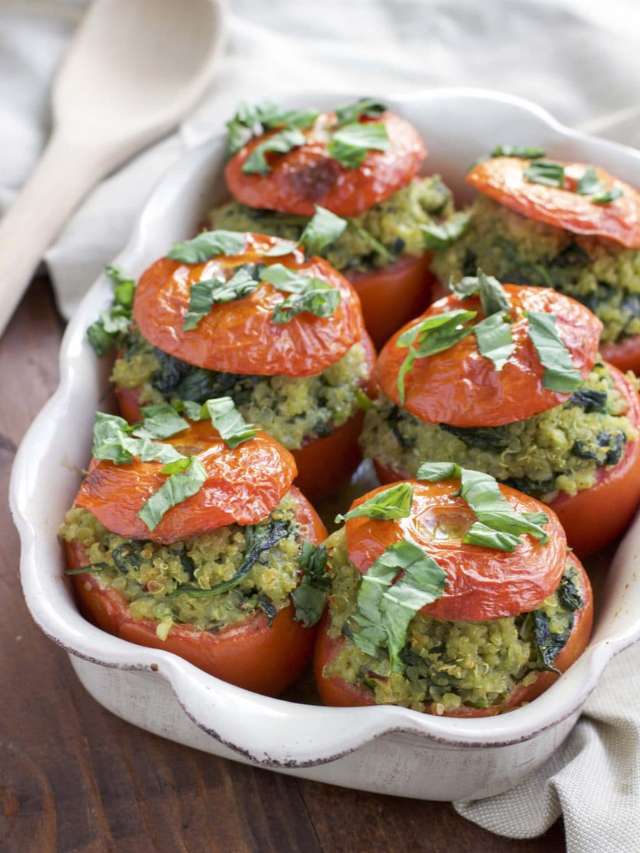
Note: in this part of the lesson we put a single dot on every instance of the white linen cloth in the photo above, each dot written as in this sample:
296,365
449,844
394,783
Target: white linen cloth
577,58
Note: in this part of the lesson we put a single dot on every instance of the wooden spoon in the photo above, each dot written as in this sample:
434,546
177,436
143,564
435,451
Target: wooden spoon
133,69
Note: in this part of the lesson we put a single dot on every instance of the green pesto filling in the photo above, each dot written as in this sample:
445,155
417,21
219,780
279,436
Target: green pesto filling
166,583
450,664
374,239
559,450
294,410
603,276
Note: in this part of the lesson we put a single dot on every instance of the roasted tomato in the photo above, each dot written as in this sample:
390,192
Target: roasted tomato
250,654
240,336
243,485
481,583
335,691
460,387
594,517
392,295
308,176
625,354
503,179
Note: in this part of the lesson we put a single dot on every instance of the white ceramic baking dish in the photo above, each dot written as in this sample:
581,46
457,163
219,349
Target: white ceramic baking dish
386,749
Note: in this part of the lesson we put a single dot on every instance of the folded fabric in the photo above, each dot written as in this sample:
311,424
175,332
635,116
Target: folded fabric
577,59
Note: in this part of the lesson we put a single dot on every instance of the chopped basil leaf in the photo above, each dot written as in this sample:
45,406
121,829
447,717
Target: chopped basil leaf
279,143
205,294
386,609
394,502
254,120
176,489
368,107
363,400
310,597
233,428
321,230
431,336
310,294
107,331
545,172
494,339
559,371
208,244
281,247
589,183
176,466
194,411
443,235
493,296
607,197
523,151
493,511
160,421
113,442
349,145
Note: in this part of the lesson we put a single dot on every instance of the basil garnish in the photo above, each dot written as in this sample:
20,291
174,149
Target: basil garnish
321,230
545,172
113,442
186,478
205,294
160,421
607,196
368,107
494,339
498,526
431,336
493,296
254,120
443,235
108,331
523,151
310,596
384,609
394,502
559,371
233,428
279,143
309,293
589,183
208,244
351,142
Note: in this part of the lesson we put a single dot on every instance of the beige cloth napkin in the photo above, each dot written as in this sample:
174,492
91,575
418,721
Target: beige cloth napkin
577,58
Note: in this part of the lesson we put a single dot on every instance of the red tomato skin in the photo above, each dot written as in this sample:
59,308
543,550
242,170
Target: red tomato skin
502,179
481,583
462,388
307,176
623,354
337,692
251,654
392,295
595,517
243,486
240,336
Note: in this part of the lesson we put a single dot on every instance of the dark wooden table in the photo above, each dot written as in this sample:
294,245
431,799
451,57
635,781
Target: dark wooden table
75,778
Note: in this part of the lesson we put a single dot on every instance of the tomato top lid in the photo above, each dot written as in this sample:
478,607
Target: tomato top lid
253,332
459,386
576,197
240,485
480,582
345,161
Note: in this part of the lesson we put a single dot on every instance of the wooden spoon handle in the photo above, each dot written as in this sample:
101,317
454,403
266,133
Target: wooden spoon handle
65,173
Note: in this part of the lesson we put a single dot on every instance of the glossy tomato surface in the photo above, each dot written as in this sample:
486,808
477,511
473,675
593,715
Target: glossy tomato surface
393,295
335,691
243,485
250,654
623,354
461,387
481,583
308,176
594,517
240,336
503,179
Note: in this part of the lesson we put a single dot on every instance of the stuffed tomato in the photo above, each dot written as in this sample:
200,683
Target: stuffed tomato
190,537
251,317
570,226
360,163
508,380
451,595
